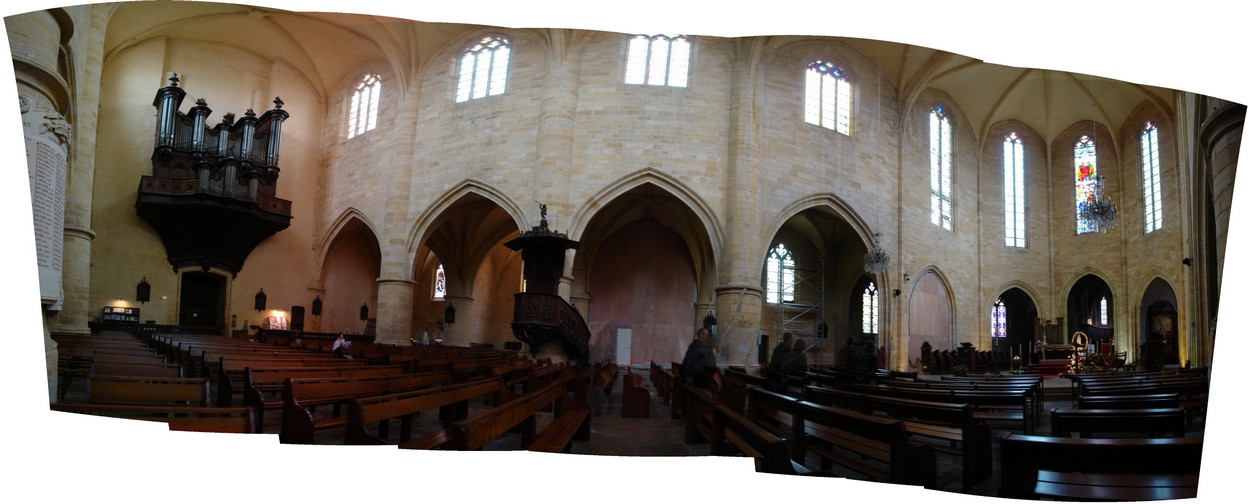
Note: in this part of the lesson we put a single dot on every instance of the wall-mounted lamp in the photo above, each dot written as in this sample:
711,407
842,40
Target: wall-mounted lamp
316,306
449,314
364,311
897,292
906,277
260,300
143,291
1188,261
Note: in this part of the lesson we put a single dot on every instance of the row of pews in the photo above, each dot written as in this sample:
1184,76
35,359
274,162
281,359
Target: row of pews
1124,438
421,398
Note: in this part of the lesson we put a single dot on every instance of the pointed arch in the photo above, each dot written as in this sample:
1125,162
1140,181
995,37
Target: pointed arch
678,189
832,201
1027,289
932,324
436,212
334,230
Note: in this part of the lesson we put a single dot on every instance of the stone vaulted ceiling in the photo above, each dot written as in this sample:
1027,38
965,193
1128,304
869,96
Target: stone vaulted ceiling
325,47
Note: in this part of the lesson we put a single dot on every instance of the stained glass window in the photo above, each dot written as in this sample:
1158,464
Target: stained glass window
1102,312
828,98
998,319
780,275
1086,162
870,309
1013,190
484,69
940,167
440,283
1151,197
362,115
658,60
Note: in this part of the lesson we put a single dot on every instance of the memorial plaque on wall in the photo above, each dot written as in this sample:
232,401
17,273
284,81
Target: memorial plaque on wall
46,135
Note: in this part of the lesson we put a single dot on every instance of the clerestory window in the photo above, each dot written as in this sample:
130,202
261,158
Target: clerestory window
362,115
484,69
658,60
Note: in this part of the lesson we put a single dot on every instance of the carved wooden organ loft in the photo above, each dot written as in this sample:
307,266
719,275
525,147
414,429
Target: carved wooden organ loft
211,196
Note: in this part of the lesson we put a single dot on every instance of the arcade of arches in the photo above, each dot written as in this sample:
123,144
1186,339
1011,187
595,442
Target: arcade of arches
678,194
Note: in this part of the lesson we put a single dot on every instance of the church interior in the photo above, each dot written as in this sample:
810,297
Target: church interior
524,191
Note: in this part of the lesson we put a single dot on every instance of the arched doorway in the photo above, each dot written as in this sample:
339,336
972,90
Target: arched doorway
1091,310
929,316
1159,338
1018,316
349,276
479,275
642,295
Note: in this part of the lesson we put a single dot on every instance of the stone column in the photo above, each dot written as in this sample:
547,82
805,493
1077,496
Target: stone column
738,321
554,143
739,293
394,310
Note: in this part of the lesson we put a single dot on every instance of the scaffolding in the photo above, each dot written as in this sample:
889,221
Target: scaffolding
803,315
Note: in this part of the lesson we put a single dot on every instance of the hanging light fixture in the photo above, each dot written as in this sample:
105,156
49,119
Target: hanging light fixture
876,260
1099,210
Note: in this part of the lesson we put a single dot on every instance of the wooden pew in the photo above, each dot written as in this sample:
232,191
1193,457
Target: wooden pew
569,418
301,396
262,387
1148,422
104,389
157,369
948,427
1098,469
366,413
770,451
181,418
875,447
1168,400
635,398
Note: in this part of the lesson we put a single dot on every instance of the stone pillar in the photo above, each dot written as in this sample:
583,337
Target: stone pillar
739,295
554,143
75,283
394,310
738,311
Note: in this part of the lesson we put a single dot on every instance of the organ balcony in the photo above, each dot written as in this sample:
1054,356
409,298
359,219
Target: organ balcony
212,193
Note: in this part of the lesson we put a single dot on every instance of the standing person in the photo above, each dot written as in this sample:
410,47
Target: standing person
780,353
866,361
699,361
846,355
795,363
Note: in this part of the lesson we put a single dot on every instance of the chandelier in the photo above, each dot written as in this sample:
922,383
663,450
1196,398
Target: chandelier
1099,210
876,260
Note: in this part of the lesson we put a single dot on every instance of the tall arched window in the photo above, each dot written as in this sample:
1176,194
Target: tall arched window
1085,158
828,97
940,167
1102,312
780,275
1013,190
440,283
998,319
1152,200
484,69
362,115
658,60
870,309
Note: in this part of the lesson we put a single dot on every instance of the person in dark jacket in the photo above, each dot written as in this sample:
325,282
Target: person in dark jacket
780,353
699,361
